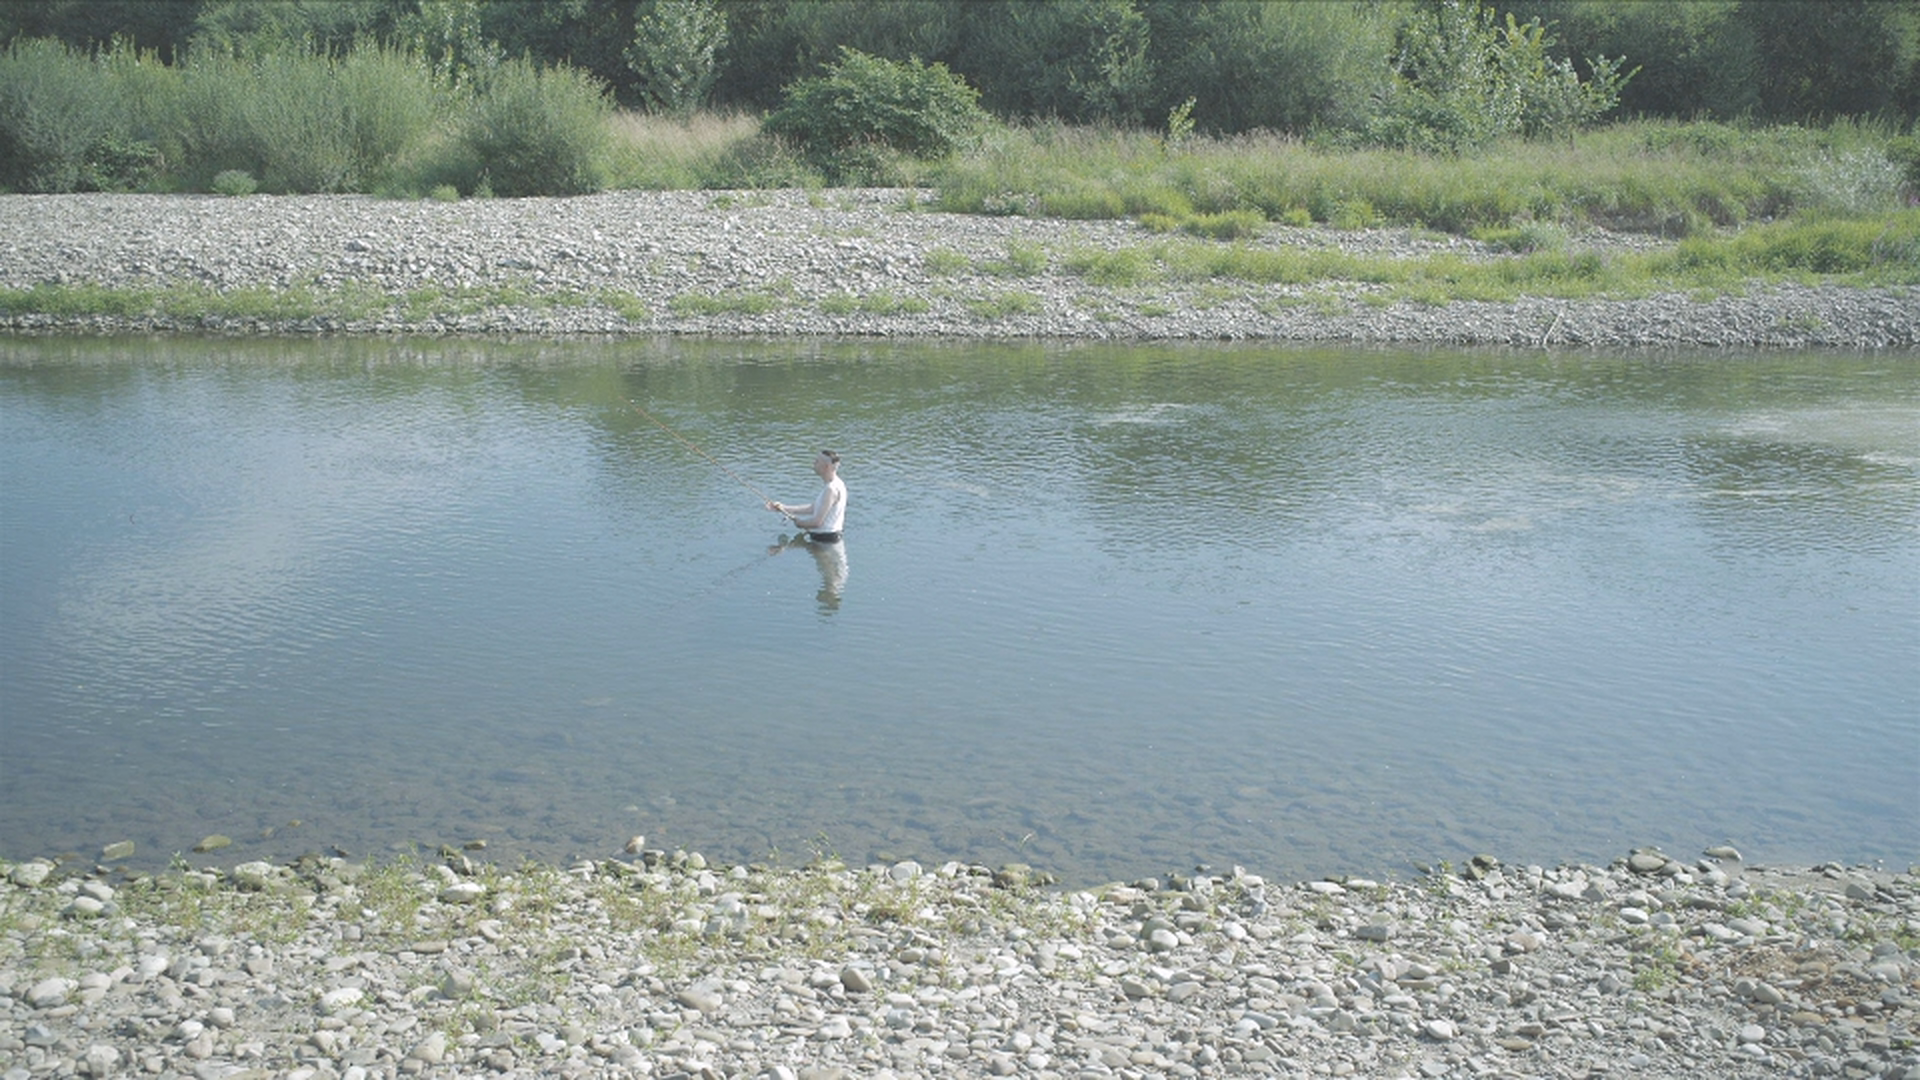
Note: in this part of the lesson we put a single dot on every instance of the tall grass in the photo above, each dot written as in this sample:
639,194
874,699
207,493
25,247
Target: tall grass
1665,178
373,119
702,151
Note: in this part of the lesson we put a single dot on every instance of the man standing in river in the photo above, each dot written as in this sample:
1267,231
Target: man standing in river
822,518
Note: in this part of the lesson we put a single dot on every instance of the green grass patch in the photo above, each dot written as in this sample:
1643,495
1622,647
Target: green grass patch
1024,259
1663,177
1879,251
1117,266
297,304
731,302
876,303
945,262
1005,305
625,305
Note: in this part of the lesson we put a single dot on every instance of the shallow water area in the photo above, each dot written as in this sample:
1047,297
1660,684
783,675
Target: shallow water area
1107,610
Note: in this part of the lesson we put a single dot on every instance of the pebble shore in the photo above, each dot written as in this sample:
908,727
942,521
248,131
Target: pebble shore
657,964
841,263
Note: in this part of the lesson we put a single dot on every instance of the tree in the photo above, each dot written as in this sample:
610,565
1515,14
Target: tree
1277,66
1696,58
1081,60
1826,58
675,47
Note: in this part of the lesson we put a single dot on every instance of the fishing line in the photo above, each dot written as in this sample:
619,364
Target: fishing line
688,443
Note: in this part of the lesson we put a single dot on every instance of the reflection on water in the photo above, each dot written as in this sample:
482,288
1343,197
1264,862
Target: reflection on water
1120,610
831,558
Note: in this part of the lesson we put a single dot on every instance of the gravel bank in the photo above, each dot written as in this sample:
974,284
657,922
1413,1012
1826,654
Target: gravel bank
660,965
840,263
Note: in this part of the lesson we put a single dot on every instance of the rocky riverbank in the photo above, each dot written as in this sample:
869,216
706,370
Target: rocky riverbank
658,964
837,263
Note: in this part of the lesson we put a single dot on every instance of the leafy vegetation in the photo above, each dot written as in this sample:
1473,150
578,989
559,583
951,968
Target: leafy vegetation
864,108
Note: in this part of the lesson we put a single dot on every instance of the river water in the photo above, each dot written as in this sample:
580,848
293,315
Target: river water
1107,610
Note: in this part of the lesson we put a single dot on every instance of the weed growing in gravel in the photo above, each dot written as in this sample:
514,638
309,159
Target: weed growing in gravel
1115,266
945,262
874,303
735,301
1005,305
1024,259
1656,968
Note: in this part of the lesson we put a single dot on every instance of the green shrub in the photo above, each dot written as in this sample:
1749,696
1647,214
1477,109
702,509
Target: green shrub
864,104
444,193
296,125
391,105
56,112
537,131
234,182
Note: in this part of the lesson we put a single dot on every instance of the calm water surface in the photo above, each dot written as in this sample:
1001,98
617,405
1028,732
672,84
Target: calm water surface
1110,611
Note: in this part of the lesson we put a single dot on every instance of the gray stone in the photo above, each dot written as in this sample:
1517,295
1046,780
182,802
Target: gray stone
462,892
51,992
31,875
705,997
855,980
1647,862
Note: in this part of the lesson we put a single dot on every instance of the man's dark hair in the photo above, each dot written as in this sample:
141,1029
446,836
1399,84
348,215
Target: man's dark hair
830,456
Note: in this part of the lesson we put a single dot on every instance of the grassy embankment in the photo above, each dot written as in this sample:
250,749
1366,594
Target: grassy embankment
1743,207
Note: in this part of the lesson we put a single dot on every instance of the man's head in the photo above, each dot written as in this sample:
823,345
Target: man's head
826,463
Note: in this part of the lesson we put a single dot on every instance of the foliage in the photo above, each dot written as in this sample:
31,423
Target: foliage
1462,79
234,182
298,121
450,36
1699,58
250,28
55,113
1081,58
675,48
1277,67
864,103
536,131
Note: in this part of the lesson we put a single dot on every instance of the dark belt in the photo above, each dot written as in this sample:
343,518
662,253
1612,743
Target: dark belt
824,537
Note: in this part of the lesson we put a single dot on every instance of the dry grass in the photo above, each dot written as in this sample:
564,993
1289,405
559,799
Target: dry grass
657,153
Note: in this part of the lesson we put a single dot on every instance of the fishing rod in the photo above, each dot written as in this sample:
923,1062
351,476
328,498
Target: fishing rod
688,443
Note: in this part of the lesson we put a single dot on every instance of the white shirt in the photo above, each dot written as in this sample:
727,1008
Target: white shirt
829,509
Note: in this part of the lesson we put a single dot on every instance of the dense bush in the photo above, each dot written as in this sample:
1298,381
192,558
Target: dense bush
298,121
536,131
56,114
863,106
